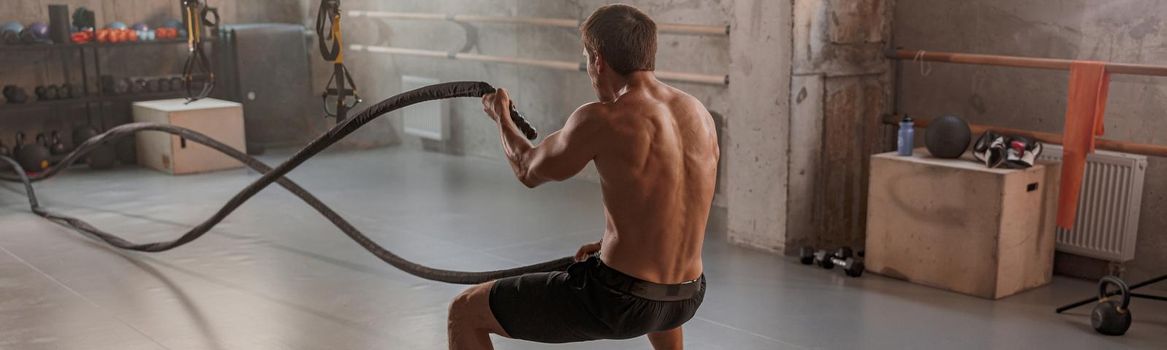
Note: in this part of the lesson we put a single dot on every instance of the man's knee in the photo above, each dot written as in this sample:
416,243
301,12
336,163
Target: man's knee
460,308
470,309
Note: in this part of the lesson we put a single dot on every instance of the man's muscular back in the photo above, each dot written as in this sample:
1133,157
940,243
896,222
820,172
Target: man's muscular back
658,166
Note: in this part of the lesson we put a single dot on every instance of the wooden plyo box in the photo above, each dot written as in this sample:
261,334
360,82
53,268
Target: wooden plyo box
955,224
221,120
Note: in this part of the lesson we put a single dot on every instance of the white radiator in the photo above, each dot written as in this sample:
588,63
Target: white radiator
1108,207
426,120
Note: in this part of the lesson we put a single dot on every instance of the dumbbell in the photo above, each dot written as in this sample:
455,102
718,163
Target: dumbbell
808,256
842,258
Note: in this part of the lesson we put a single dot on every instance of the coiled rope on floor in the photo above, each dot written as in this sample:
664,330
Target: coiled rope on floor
276,175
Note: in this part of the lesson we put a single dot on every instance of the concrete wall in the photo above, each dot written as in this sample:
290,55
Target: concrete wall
841,85
1130,31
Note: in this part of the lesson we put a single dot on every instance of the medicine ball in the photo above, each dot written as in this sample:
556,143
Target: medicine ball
33,157
38,32
10,32
947,137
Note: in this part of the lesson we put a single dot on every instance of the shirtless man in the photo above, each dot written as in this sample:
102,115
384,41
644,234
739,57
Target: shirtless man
656,151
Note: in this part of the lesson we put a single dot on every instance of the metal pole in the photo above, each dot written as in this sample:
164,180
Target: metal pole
549,64
673,28
1020,62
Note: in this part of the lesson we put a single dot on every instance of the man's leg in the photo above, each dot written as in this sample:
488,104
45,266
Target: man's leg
667,340
470,322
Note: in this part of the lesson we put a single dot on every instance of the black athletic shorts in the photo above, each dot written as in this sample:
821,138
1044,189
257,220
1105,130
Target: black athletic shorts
590,301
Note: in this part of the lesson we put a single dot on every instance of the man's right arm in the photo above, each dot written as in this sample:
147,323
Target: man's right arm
561,155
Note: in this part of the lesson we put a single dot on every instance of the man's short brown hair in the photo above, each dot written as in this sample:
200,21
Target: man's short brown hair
624,37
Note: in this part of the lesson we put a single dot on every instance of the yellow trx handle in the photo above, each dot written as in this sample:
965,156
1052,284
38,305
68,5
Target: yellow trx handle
336,33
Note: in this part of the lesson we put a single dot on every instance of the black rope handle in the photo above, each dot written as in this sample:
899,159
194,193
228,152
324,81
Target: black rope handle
276,175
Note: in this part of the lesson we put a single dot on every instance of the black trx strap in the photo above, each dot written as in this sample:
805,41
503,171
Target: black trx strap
196,14
340,87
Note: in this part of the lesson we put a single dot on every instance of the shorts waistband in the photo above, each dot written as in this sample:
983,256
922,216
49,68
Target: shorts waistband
621,282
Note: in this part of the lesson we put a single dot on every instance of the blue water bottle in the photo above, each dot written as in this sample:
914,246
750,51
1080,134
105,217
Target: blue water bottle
907,137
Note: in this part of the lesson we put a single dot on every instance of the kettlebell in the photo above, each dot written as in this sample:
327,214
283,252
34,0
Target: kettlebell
1112,317
41,92
56,148
52,92
69,91
103,157
82,134
32,157
122,86
15,94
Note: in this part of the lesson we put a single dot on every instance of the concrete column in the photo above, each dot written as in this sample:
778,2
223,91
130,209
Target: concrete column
759,122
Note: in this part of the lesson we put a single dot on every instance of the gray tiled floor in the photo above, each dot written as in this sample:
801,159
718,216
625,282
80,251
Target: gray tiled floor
276,276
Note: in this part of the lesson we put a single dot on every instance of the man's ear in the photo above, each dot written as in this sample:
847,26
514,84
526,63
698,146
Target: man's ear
598,59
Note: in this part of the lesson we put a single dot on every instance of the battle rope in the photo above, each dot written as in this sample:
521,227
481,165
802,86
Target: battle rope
270,175
196,14
332,49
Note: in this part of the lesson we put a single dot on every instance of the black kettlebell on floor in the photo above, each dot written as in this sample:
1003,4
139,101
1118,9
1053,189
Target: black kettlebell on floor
1112,317
32,157
55,146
